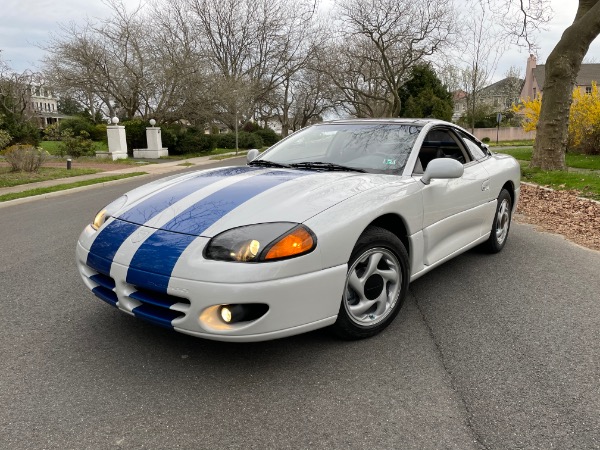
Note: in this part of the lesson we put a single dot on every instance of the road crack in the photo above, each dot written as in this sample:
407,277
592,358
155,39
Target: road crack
469,416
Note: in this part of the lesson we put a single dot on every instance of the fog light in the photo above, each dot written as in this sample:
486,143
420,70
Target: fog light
226,314
232,313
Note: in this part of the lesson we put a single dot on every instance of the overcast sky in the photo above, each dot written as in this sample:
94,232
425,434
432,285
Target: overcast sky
26,26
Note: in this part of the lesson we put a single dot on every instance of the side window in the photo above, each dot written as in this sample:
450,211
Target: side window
439,143
473,147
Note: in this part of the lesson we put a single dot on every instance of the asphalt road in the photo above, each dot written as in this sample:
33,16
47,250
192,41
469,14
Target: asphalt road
498,352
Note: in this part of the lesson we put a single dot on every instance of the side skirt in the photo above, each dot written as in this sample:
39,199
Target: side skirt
426,269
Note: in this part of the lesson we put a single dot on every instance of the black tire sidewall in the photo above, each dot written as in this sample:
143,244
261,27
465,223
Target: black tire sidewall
374,237
493,244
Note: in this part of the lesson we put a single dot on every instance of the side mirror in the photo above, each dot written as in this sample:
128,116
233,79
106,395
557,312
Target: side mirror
251,155
442,168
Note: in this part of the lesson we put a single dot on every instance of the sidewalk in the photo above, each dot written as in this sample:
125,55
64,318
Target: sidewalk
150,169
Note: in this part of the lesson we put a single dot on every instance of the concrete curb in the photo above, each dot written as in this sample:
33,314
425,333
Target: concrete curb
33,198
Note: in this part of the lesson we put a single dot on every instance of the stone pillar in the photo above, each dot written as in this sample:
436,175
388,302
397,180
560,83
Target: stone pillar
154,141
117,144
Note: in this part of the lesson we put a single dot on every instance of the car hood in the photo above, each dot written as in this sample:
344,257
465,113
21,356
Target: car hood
209,202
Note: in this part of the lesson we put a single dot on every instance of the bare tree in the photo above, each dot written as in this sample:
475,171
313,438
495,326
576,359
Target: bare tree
15,95
480,51
379,42
521,19
135,63
250,46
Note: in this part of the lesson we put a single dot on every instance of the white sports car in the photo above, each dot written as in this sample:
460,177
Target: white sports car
326,228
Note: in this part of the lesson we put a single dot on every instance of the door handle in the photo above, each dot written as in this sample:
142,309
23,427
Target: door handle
485,186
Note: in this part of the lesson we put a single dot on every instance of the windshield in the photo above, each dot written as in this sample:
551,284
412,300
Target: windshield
372,147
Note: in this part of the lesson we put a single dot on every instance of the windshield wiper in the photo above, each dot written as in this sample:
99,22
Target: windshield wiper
318,165
267,163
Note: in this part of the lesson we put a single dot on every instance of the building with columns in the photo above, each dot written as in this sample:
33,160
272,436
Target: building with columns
44,105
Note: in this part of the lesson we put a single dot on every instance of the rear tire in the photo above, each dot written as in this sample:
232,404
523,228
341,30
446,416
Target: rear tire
376,285
501,223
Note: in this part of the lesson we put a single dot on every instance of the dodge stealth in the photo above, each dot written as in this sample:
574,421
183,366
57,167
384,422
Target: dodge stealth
325,229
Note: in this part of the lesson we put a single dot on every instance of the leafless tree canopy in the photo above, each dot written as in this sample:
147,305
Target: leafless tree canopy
217,60
376,45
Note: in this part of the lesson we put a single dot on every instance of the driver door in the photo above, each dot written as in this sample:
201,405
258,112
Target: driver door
453,210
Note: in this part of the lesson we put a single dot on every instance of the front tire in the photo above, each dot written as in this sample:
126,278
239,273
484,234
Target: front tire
376,285
501,223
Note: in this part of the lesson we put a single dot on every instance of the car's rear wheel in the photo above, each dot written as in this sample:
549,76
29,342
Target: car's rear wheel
501,223
375,286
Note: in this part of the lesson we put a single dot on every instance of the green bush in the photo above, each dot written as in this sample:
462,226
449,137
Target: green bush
25,133
136,134
225,140
25,158
76,146
5,139
196,142
250,140
52,132
251,127
486,139
245,140
77,125
268,136
99,133
171,137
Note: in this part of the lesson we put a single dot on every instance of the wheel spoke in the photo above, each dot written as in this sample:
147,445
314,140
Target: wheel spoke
382,302
362,307
389,274
372,265
357,284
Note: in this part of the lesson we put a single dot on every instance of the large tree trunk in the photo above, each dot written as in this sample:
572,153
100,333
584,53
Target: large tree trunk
562,68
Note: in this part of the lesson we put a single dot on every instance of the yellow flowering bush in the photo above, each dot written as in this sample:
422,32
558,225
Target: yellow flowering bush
584,119
530,110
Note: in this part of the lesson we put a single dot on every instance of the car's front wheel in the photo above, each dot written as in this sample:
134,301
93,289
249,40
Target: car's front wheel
501,223
376,285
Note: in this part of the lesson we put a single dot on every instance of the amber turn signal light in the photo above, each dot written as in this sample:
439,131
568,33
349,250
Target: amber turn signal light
298,241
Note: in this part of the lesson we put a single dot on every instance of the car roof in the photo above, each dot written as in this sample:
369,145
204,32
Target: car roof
391,120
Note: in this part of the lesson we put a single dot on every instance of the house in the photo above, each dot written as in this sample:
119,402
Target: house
43,105
497,97
459,98
535,77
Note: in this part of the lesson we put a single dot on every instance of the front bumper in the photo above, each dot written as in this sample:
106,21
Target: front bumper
297,304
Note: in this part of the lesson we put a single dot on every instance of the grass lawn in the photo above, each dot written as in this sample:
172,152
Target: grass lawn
8,178
587,180
52,147
527,143
62,187
215,152
575,160
587,183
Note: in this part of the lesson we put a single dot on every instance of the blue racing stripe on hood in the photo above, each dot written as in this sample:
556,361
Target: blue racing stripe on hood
200,216
107,243
161,251
158,202
112,236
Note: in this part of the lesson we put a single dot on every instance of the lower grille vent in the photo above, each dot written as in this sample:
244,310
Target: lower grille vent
158,308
